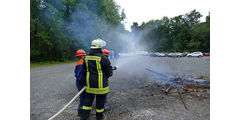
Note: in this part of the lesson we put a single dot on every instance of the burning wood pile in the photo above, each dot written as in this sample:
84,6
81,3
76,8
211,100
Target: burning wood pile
180,84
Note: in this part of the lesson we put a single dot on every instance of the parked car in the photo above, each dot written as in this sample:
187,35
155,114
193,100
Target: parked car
157,54
160,54
170,54
206,54
184,54
141,53
195,54
177,54
152,54
163,54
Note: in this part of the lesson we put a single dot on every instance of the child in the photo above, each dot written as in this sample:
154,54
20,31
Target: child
107,53
80,83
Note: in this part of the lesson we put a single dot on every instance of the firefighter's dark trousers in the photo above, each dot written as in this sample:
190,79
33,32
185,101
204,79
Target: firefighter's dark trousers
87,106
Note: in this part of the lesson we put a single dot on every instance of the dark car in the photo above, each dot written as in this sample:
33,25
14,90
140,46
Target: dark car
152,54
184,54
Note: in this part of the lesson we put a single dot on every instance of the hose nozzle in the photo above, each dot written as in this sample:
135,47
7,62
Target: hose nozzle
114,68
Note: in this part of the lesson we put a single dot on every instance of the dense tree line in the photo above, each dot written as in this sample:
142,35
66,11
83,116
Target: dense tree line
183,33
60,27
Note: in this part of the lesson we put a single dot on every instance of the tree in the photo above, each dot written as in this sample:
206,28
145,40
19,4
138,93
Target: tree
180,33
201,35
59,28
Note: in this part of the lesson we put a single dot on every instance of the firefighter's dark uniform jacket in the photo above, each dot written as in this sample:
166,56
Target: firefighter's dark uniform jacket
96,70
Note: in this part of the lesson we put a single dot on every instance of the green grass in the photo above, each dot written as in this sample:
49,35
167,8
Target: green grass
45,64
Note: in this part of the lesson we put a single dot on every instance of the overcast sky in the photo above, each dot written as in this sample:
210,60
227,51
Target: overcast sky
145,10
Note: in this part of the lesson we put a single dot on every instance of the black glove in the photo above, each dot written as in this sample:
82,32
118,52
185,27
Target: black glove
114,68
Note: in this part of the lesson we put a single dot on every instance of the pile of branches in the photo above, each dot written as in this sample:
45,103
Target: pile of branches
181,84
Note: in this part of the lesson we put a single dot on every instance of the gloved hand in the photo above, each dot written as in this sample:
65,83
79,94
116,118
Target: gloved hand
114,68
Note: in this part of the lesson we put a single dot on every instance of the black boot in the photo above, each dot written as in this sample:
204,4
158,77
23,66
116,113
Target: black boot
82,119
84,114
99,116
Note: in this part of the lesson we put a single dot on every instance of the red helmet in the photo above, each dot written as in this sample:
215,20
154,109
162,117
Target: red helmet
105,52
80,52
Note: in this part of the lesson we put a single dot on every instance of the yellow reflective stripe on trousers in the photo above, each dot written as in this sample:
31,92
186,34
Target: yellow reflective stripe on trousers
86,108
100,110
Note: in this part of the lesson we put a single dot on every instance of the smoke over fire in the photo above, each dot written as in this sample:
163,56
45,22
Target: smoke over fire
124,43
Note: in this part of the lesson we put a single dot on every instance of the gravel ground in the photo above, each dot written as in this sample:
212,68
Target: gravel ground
133,94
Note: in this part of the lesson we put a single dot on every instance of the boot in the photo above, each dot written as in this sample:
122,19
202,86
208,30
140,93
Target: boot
84,114
82,119
99,116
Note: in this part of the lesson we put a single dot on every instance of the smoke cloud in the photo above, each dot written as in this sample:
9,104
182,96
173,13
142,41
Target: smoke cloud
124,43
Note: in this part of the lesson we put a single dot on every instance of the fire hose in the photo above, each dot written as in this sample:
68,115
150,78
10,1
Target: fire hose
74,98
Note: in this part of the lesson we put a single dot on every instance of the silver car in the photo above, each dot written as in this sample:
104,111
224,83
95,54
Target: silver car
195,54
176,54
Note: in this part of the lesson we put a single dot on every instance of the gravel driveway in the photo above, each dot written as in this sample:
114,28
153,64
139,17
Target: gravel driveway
133,94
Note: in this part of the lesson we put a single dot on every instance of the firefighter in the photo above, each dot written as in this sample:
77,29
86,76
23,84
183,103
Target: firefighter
96,70
80,83
107,53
